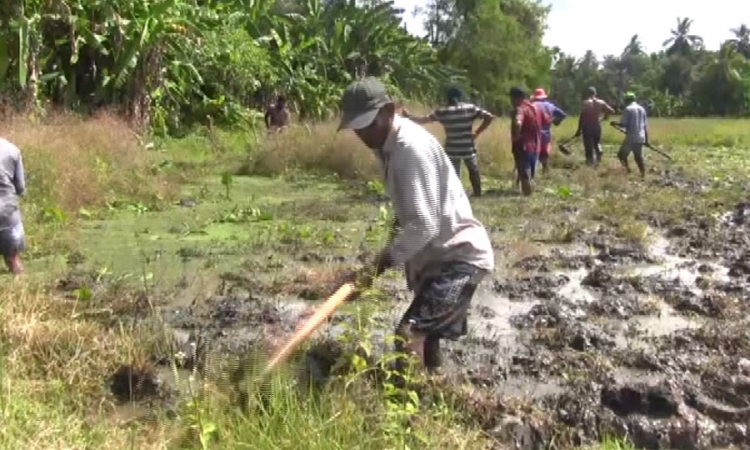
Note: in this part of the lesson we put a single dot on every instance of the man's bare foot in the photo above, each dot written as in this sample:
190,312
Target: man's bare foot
14,264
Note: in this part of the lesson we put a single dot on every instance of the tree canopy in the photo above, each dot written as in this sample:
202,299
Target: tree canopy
169,63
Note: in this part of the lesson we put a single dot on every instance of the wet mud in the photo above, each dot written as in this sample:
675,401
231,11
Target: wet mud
600,339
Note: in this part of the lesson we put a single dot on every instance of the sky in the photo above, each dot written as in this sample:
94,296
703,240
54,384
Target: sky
610,24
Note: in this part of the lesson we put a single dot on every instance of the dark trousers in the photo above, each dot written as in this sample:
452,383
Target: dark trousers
592,136
472,166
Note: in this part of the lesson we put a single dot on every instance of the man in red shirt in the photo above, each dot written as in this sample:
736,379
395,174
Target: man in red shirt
526,136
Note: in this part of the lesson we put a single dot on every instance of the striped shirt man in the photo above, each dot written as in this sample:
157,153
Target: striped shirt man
458,121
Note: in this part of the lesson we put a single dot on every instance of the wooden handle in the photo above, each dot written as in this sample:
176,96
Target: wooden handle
328,307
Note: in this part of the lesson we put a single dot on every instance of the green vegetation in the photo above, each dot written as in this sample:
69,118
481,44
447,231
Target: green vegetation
110,235
170,64
121,223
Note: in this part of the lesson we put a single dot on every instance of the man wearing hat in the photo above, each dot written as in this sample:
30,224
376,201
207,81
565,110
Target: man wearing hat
457,119
526,136
634,123
447,250
558,115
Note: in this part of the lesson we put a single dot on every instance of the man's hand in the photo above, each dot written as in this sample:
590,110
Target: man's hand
364,278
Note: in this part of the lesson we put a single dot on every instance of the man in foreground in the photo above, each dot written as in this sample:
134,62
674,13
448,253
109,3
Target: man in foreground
457,118
634,123
526,136
277,115
589,124
12,185
447,251
558,115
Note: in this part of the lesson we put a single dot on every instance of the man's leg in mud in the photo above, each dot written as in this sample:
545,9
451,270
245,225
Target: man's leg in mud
433,357
522,169
407,343
588,148
472,165
544,155
638,155
456,165
438,312
12,243
622,155
597,137
13,262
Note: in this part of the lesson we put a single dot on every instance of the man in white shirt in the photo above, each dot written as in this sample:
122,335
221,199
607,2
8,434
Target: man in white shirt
634,123
12,186
447,251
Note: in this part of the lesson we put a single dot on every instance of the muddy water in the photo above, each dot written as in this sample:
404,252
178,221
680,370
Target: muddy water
609,345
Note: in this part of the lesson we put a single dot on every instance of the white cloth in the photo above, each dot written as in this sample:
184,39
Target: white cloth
437,222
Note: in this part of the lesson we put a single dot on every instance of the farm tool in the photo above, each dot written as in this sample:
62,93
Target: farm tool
649,146
562,146
310,325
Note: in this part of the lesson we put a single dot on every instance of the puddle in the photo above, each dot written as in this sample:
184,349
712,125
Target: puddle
573,290
673,267
666,322
527,388
634,333
491,314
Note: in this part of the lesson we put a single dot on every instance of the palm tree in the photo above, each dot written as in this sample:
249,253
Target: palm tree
634,47
682,42
741,41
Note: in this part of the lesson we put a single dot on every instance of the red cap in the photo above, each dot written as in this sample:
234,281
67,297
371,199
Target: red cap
540,94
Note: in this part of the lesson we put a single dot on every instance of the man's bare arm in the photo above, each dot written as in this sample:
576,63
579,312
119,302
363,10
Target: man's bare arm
607,109
516,124
422,120
487,118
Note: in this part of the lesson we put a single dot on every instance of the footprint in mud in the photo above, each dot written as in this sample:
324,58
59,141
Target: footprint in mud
555,261
536,286
579,336
547,315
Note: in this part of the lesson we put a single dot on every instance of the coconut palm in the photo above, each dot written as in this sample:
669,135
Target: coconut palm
741,41
682,42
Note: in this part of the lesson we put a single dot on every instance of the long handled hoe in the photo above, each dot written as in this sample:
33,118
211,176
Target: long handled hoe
302,333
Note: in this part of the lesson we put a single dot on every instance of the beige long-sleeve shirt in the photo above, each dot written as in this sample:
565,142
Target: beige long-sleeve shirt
436,220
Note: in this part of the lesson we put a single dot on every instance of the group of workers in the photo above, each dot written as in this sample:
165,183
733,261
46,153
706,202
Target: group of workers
531,131
444,249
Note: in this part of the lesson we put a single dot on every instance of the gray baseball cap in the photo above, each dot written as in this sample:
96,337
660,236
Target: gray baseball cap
361,102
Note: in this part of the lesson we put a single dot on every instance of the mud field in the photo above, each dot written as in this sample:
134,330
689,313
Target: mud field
586,340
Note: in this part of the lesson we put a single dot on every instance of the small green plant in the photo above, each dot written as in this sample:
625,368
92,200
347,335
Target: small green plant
376,188
52,215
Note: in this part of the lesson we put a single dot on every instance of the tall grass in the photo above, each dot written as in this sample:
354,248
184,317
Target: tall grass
74,165
320,148
56,357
